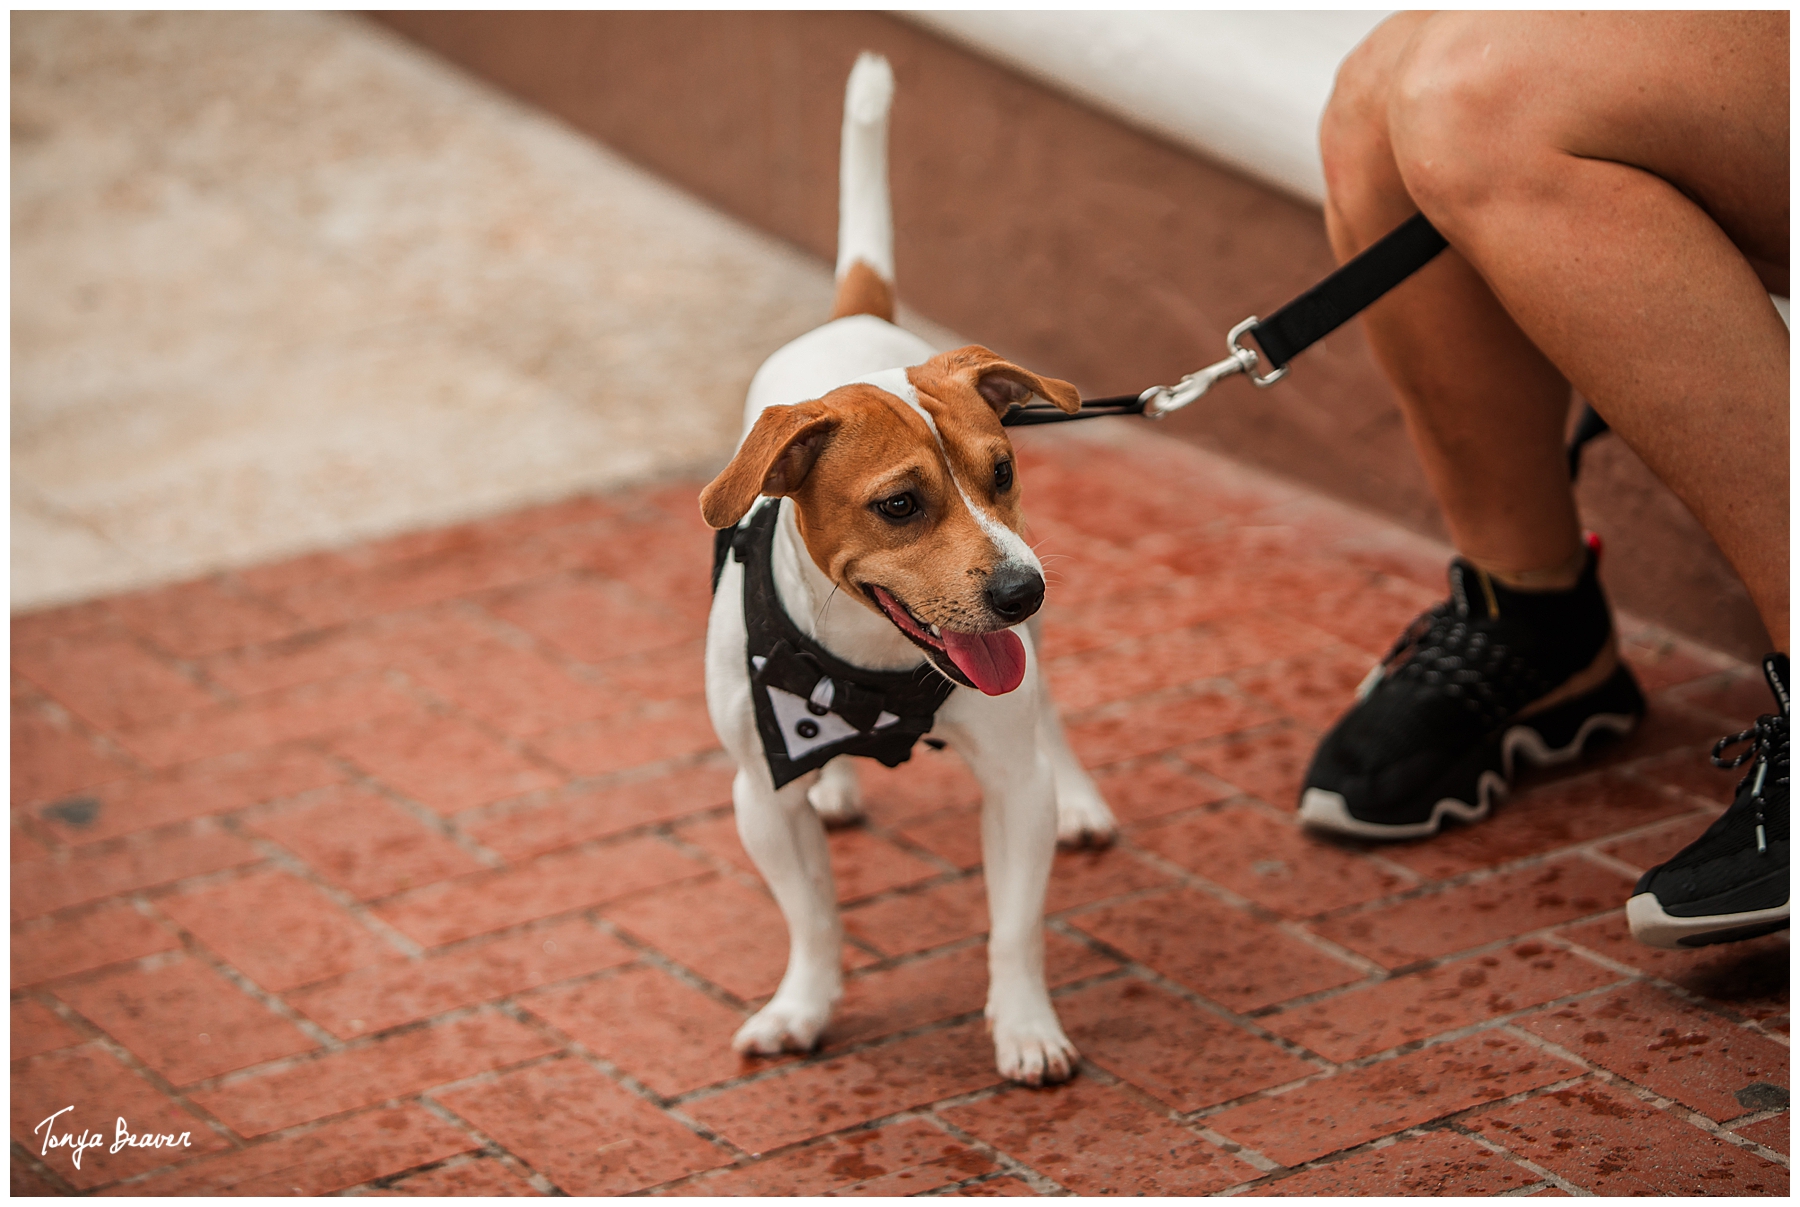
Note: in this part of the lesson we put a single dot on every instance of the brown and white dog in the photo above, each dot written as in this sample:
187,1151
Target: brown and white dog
897,542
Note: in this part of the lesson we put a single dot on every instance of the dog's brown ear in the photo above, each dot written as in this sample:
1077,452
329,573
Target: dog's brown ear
1002,383
773,460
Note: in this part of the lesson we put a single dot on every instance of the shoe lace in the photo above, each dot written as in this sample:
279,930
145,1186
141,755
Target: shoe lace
1766,742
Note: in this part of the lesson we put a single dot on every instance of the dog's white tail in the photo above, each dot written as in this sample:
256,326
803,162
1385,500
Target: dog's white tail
865,217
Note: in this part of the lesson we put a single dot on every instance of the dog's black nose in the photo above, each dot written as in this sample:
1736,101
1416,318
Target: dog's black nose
1015,592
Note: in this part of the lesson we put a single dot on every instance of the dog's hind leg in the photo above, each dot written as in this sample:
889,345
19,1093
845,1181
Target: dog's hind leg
837,797
865,259
1082,818
786,841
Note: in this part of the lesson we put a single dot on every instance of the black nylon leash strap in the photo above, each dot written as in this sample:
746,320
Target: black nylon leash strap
1353,288
1298,325
1035,413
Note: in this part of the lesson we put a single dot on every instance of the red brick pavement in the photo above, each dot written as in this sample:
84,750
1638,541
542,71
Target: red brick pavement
410,868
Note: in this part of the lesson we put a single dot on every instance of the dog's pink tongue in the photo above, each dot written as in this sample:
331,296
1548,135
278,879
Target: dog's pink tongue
994,662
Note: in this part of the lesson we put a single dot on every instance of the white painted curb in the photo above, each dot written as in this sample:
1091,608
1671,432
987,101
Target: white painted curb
1245,88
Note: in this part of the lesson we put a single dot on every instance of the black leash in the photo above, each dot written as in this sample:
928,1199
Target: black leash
1285,334
1291,330
1034,413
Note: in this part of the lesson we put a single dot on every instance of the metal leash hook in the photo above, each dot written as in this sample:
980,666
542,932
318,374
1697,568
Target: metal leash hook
1163,400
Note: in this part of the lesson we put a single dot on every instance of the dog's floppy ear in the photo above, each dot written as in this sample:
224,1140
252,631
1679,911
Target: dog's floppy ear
773,460
1002,383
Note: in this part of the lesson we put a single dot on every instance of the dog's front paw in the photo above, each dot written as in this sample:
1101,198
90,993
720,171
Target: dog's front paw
1082,818
1035,1053
782,1026
837,797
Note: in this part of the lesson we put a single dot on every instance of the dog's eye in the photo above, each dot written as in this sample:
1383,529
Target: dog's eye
1003,476
898,507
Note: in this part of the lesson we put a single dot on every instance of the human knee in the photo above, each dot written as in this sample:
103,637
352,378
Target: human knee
1458,116
1353,137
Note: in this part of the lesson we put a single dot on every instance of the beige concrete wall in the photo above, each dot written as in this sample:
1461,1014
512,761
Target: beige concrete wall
284,280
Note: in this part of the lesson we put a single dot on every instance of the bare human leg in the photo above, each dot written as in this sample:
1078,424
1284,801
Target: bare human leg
1615,189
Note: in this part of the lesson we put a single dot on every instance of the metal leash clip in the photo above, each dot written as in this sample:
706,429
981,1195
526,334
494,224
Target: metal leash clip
1161,400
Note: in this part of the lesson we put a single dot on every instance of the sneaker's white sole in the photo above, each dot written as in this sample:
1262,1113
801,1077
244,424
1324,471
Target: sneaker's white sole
1649,924
1324,810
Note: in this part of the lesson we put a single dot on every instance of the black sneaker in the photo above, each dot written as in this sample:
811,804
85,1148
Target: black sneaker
1484,677
1732,882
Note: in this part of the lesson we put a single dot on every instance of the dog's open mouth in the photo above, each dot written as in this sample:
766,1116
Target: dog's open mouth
994,663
